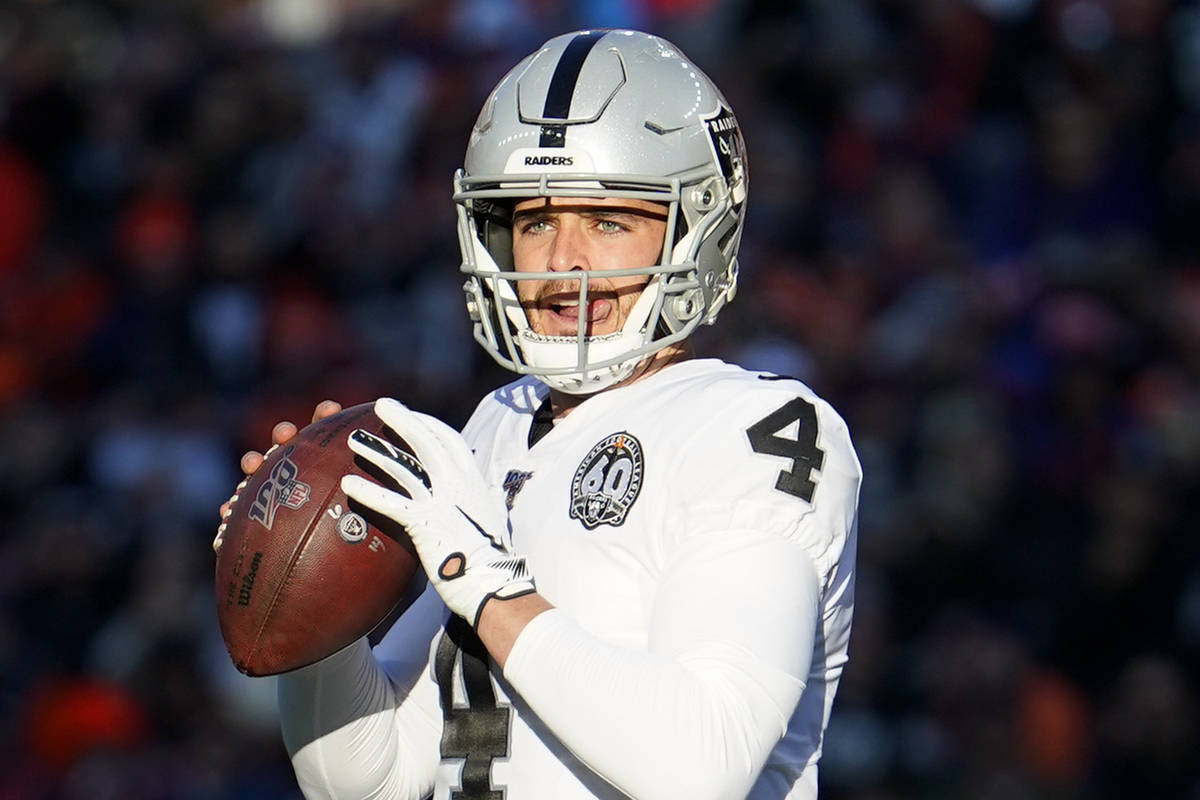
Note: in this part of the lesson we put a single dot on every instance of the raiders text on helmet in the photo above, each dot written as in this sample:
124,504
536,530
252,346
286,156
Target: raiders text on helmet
604,113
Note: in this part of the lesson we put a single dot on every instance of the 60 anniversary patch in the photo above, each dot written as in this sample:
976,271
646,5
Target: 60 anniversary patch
607,481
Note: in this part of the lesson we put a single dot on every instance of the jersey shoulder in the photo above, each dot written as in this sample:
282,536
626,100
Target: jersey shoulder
761,451
715,403
513,401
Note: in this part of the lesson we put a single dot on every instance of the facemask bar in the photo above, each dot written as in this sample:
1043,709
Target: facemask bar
646,310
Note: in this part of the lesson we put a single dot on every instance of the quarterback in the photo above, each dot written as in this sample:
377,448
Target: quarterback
640,563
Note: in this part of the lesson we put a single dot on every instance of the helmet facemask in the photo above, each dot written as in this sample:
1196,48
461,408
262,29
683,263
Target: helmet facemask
670,305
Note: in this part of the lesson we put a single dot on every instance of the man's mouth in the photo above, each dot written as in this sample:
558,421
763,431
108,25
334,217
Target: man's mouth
562,313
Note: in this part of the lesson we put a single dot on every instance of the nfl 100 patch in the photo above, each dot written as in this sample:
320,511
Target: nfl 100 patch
514,482
607,481
282,488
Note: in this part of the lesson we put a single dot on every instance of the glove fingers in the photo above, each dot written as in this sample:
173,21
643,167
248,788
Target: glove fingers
385,501
459,454
398,508
451,441
409,427
406,470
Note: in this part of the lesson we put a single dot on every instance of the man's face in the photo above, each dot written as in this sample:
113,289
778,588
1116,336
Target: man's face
561,234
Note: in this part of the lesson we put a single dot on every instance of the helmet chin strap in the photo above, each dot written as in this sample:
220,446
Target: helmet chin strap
556,362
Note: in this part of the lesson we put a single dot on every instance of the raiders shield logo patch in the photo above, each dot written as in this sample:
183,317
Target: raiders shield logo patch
607,482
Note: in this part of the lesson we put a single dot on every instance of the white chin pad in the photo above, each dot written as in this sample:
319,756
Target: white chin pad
559,355
558,361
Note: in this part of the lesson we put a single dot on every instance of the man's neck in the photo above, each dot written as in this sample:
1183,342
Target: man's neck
562,403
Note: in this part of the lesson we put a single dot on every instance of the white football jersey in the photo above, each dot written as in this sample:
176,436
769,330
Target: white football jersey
601,505
695,532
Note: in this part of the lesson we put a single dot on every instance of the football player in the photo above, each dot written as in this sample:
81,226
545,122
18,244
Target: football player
641,564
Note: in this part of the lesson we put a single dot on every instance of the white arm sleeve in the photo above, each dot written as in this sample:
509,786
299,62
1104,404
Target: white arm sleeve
360,725
730,643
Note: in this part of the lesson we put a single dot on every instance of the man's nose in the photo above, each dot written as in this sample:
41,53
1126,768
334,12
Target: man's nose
569,251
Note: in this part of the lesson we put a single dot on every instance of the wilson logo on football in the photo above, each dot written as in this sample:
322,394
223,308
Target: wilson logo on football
280,489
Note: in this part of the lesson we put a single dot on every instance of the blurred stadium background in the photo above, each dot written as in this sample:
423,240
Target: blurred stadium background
973,227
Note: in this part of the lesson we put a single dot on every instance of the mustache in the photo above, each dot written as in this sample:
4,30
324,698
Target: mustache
559,290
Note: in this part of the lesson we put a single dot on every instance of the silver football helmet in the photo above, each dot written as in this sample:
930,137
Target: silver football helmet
603,113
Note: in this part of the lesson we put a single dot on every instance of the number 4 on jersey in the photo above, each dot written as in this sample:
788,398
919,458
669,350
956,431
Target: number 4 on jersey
802,451
477,733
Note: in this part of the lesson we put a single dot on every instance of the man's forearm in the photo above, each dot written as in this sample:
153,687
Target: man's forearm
501,622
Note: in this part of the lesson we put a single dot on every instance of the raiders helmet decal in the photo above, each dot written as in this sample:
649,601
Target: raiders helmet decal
608,481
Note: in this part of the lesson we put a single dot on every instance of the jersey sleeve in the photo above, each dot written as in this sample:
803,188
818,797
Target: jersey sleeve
366,723
780,459
696,715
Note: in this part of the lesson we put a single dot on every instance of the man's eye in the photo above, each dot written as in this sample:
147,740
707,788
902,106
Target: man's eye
610,226
535,226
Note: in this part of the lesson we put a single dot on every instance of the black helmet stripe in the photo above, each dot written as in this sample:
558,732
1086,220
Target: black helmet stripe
562,86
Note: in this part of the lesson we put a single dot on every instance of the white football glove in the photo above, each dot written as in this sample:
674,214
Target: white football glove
459,529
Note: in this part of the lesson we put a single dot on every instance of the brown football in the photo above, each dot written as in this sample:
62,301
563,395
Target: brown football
302,571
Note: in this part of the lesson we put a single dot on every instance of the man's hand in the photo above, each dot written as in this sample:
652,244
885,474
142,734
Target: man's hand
459,528
282,433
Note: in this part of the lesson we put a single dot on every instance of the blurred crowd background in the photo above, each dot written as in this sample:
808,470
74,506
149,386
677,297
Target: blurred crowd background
972,227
